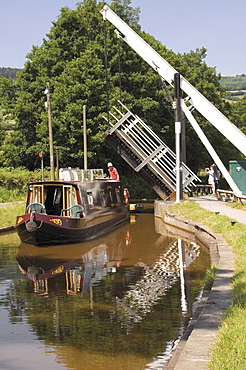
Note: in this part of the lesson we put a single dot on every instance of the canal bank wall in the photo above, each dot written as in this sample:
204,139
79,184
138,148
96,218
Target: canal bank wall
192,352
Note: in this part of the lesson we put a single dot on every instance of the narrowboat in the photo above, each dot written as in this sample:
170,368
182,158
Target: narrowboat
80,206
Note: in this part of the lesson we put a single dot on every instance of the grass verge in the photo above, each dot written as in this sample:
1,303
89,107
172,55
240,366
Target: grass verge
229,351
9,212
209,277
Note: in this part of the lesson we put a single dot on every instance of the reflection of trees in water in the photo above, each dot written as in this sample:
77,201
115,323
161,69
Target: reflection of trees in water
96,319
14,300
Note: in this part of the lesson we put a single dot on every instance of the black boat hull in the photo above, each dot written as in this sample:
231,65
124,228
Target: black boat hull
74,231
65,212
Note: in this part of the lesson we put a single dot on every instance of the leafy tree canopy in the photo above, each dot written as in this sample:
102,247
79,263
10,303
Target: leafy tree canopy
72,60
238,114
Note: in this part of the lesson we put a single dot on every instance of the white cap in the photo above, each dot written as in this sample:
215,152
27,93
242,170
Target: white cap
110,164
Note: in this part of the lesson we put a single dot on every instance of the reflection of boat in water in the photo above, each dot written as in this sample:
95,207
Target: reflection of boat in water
140,281
80,266
78,208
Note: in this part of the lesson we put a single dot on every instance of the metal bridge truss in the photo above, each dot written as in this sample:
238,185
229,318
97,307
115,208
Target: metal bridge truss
145,152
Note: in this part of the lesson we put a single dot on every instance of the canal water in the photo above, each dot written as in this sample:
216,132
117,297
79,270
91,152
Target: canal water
120,302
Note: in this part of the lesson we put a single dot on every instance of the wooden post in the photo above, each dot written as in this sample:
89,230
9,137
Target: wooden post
85,137
57,163
52,169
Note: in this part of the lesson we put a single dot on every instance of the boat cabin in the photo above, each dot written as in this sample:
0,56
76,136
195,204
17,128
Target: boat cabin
74,198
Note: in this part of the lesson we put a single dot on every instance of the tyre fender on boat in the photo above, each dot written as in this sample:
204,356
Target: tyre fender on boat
31,225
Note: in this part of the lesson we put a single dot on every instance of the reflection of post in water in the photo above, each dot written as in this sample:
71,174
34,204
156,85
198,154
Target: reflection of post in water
182,279
185,255
56,319
91,300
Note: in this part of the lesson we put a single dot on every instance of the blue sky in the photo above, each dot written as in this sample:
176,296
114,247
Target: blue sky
218,25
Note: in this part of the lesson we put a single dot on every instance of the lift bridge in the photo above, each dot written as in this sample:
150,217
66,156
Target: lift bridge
145,152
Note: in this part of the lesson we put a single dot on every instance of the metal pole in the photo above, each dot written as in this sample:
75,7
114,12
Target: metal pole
57,163
182,280
52,170
183,137
85,138
40,154
177,97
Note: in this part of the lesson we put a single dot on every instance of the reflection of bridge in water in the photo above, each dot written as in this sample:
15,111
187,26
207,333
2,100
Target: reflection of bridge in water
156,280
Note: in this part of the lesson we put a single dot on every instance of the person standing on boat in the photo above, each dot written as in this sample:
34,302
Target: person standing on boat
113,173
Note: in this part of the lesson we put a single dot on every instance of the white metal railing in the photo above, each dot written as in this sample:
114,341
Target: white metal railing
148,147
75,174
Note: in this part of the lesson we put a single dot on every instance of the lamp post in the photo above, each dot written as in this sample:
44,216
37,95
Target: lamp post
52,171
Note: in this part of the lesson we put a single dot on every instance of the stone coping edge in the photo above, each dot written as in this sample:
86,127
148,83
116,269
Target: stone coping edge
192,352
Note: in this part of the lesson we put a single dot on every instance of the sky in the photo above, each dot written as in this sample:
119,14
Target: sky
217,25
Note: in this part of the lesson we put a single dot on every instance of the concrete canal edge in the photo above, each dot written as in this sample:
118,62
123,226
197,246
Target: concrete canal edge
6,229
192,352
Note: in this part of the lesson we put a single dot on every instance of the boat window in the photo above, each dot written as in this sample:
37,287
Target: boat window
110,199
111,196
36,195
53,199
103,198
118,197
90,199
69,197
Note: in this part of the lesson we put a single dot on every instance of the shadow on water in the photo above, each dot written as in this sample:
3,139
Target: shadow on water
121,301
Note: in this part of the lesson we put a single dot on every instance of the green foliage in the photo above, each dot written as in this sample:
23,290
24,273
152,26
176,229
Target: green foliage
209,277
238,114
234,83
13,183
72,60
137,187
9,212
9,72
7,92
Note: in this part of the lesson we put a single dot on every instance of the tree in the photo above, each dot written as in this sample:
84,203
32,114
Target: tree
72,60
238,114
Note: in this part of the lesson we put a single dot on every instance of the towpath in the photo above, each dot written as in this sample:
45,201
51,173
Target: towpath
193,352
214,205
